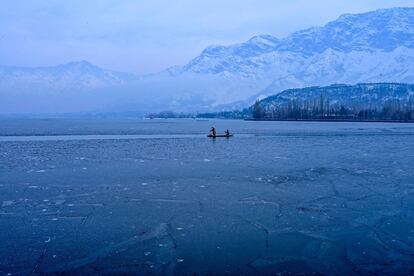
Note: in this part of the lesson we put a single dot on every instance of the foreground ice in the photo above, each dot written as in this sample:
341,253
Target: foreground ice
327,200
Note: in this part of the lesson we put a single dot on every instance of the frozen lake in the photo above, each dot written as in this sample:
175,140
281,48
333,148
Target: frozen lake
103,196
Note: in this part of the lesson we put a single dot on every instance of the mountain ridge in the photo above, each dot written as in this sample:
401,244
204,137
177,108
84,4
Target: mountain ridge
347,33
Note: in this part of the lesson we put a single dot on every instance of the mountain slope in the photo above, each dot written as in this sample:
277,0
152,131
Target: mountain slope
363,94
365,101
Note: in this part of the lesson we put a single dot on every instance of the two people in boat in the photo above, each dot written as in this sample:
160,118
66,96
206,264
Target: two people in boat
214,133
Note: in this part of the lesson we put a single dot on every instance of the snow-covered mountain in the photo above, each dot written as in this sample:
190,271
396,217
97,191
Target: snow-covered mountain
381,31
71,76
375,46
71,87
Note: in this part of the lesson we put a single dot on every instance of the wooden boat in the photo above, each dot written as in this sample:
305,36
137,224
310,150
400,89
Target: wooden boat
220,136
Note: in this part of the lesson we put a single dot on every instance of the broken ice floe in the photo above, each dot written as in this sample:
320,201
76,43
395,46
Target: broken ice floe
7,203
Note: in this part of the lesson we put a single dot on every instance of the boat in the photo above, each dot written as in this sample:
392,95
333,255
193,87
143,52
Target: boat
220,136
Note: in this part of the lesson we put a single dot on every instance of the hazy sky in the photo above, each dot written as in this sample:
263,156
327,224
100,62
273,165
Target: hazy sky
147,36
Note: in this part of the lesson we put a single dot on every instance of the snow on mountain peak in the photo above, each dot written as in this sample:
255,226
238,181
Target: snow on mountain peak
265,40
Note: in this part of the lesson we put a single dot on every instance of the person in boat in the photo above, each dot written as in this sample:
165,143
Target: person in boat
227,132
213,131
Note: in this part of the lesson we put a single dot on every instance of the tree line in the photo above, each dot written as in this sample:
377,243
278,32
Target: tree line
325,109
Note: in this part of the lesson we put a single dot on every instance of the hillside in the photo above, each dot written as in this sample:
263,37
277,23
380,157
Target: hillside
377,101
360,102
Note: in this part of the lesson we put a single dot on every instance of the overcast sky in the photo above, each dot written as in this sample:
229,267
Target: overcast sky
147,36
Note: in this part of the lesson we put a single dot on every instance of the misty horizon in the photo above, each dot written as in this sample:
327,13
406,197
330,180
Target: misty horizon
372,47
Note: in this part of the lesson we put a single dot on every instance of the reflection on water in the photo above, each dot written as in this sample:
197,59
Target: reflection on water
159,197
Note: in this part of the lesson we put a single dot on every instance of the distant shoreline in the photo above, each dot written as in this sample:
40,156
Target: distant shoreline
329,120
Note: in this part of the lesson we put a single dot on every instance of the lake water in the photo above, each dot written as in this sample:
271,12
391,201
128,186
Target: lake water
104,196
